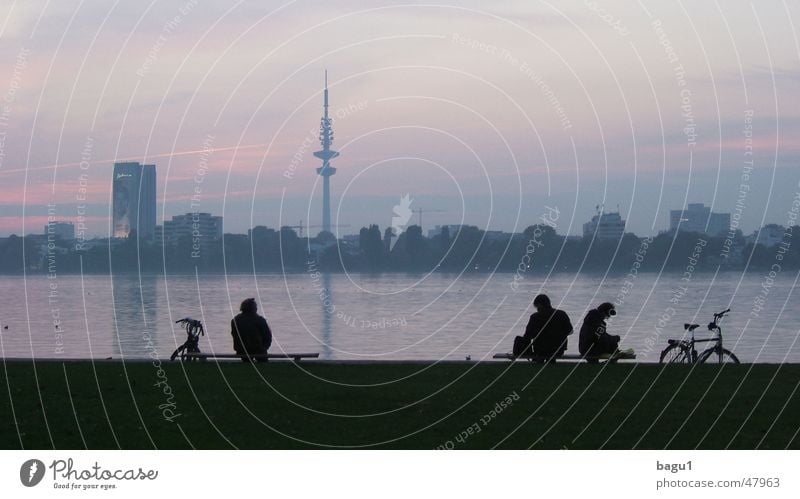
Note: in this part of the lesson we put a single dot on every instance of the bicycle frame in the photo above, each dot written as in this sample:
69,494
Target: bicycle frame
717,339
689,346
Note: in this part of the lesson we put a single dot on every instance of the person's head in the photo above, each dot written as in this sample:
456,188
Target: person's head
249,306
542,303
607,309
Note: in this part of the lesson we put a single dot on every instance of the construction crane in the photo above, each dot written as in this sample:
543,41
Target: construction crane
420,210
300,227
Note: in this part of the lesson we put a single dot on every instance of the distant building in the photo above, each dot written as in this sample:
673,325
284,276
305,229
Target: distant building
605,226
770,235
134,200
202,229
698,218
63,230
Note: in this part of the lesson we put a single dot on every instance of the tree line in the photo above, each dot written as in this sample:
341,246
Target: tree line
539,249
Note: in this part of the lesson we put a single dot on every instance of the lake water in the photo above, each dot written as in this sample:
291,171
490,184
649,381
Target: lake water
389,316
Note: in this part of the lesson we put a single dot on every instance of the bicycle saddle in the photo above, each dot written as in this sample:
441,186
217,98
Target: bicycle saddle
691,327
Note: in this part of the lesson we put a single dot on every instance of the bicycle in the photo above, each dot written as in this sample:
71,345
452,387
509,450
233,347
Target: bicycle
194,329
683,351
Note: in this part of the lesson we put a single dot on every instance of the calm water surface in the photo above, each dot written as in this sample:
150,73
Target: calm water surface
389,316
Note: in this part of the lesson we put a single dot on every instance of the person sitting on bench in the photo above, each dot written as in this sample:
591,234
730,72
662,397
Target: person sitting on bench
594,341
547,329
251,334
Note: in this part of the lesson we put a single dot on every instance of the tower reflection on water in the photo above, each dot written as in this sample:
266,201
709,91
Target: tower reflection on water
328,315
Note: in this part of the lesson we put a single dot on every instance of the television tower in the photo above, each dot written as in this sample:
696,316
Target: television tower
326,155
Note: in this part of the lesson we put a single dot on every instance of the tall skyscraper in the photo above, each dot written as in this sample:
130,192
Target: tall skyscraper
134,199
326,154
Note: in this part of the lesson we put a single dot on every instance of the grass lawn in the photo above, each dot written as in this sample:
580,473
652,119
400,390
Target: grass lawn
410,406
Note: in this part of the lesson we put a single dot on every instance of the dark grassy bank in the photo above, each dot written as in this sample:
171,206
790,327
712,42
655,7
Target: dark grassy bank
280,405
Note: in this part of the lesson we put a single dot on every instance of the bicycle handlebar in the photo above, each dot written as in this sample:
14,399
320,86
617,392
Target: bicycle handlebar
714,324
192,326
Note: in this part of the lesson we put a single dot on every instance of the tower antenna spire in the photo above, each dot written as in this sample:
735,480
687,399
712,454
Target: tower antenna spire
326,94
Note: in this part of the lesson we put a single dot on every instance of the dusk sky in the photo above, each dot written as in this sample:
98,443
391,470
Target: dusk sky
483,112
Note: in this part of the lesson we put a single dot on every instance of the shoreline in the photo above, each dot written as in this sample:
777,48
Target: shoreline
354,362
301,271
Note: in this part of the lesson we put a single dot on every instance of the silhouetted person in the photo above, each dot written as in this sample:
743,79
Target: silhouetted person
548,329
594,340
251,334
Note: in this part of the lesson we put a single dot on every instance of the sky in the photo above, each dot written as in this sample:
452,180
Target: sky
486,113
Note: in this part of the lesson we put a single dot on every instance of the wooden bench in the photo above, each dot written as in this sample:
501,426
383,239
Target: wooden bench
296,357
591,360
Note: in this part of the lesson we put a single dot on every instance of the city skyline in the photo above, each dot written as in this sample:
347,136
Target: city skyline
485,115
612,226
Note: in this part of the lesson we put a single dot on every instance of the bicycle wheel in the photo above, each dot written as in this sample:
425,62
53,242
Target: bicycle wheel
712,355
675,354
